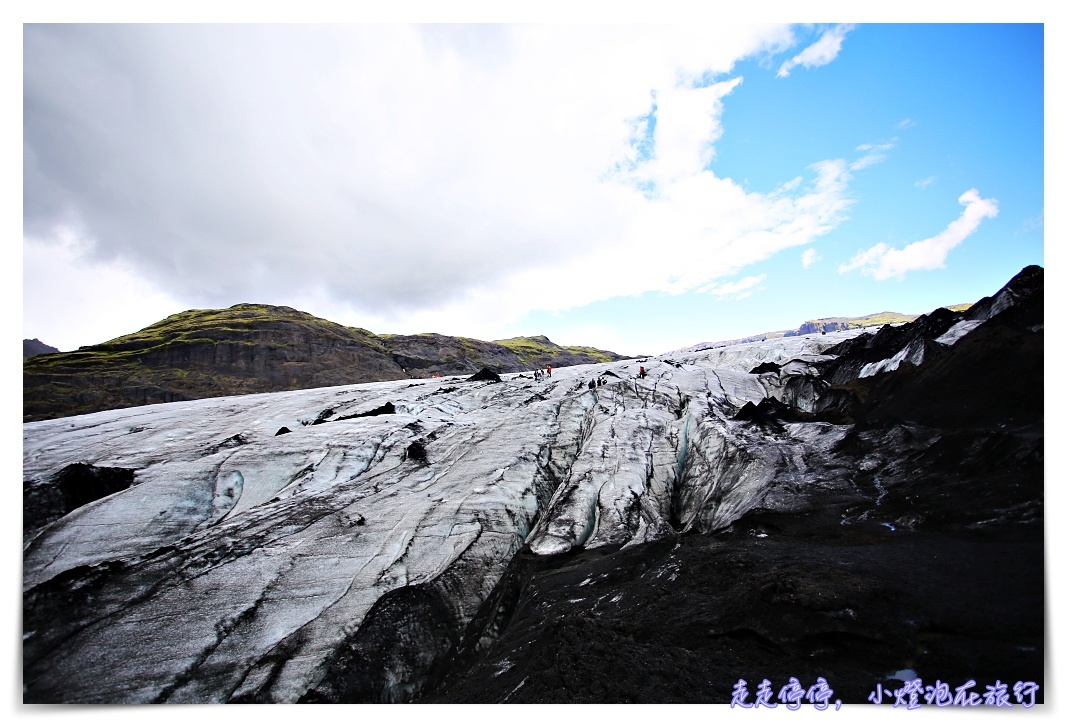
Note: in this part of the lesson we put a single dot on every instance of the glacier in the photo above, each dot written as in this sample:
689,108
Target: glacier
290,539
262,536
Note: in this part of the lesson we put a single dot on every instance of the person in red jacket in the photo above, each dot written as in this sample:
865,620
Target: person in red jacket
549,370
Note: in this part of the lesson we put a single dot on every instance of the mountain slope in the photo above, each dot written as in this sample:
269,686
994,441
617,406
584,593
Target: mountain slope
33,347
537,352
251,348
790,508
825,325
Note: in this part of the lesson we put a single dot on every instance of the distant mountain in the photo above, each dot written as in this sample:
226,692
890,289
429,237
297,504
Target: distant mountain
33,347
817,326
253,348
825,325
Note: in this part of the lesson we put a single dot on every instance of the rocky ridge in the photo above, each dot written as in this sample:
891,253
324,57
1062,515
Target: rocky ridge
33,347
252,348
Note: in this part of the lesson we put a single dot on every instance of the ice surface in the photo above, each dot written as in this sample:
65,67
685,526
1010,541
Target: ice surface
240,560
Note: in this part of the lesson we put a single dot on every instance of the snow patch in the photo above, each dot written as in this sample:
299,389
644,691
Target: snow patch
957,331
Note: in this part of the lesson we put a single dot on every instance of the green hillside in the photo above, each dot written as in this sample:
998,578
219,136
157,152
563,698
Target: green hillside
250,348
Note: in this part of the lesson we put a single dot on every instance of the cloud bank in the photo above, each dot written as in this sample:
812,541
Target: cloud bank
882,262
402,178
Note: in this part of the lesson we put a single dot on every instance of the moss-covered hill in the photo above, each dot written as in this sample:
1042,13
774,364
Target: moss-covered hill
252,348
538,352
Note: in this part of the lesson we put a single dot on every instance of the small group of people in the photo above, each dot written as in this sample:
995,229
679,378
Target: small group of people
539,374
597,382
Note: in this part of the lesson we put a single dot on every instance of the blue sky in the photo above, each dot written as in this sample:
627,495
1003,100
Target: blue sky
957,107
636,188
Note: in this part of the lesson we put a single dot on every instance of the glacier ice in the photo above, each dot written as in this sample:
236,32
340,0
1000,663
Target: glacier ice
240,561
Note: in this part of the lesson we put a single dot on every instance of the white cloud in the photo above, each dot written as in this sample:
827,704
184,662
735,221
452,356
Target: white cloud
687,128
925,182
881,261
820,53
441,178
736,290
809,257
905,124
873,153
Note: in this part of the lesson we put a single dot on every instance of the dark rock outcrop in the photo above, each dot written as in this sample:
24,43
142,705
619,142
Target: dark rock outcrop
421,616
770,412
70,488
416,451
387,409
485,374
33,347
963,385
768,367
